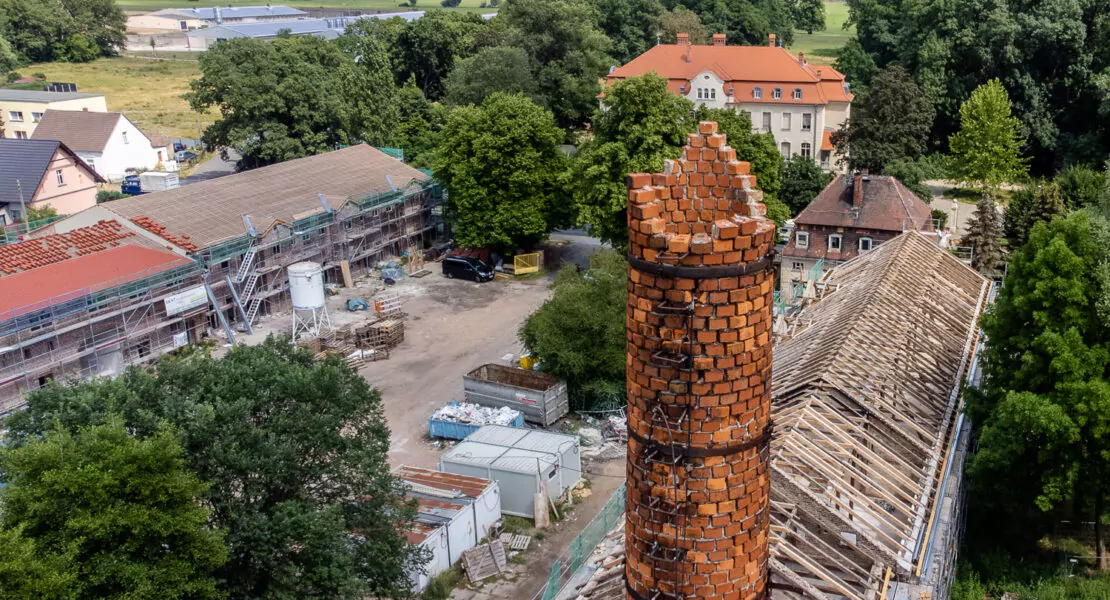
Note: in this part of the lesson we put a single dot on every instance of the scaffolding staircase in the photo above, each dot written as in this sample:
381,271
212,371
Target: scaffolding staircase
244,285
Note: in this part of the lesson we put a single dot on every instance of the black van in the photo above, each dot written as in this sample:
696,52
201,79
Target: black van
466,267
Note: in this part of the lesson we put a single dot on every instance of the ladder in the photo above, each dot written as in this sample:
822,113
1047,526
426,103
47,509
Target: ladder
247,266
252,309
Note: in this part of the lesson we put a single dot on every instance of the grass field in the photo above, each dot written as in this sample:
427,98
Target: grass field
148,91
821,46
381,5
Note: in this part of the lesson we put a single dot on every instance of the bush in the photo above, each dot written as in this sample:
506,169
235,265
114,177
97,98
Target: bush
942,218
109,195
450,3
14,75
441,586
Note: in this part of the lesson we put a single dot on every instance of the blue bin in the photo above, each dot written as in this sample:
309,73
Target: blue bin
459,431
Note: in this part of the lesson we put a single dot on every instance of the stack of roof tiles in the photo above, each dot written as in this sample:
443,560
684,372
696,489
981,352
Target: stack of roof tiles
181,241
699,359
39,252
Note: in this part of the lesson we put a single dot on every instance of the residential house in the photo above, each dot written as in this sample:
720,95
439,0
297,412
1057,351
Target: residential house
21,110
852,215
185,19
41,173
799,103
108,141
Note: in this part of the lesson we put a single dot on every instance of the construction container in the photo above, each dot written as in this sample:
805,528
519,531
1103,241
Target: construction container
541,397
520,461
159,181
454,430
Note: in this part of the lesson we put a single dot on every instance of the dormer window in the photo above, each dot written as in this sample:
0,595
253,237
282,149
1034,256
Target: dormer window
797,93
777,94
801,239
834,242
757,93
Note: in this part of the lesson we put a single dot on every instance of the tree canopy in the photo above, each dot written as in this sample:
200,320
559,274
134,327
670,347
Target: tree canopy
890,122
631,25
61,30
809,15
802,180
987,149
984,235
293,453
502,162
578,333
640,125
682,20
108,516
496,69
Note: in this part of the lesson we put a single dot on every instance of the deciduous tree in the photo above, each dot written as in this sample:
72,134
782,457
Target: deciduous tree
420,126
578,333
682,20
1037,202
294,453
110,516
987,149
496,69
809,15
62,30
429,47
890,122
631,25
501,161
802,180
640,125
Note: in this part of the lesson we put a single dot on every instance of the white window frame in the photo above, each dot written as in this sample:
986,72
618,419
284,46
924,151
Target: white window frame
757,93
36,117
766,122
712,93
807,121
60,176
801,239
807,150
15,116
777,94
786,121
797,266
784,149
870,244
797,93
836,241
21,135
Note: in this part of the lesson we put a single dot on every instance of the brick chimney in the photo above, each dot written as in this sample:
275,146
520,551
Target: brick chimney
718,39
699,377
683,40
771,40
857,190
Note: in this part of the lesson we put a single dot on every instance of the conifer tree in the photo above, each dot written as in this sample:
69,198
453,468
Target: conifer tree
984,231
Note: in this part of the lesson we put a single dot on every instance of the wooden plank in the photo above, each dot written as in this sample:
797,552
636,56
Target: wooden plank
345,267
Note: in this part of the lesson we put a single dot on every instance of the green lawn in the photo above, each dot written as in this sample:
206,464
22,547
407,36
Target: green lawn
379,5
821,46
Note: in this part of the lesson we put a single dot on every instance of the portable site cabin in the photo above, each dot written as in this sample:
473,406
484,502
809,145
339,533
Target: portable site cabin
454,513
519,460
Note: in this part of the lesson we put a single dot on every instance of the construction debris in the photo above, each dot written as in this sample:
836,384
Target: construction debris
485,561
473,414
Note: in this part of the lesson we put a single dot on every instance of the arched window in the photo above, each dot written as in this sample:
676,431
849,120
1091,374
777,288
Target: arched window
785,148
757,93
807,150
777,94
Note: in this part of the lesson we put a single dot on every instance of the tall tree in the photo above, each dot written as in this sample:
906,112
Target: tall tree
1080,186
27,572
984,235
987,149
857,65
567,49
631,25
294,453
579,334
294,96
122,513
420,125
639,125
682,20
429,47
745,21
802,180
63,30
758,149
496,69
501,161
890,122
1040,201
809,15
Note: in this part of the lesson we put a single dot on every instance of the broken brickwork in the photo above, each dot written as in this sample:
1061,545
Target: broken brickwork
699,377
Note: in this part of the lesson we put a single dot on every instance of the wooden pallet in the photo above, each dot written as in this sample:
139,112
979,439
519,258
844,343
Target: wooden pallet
520,542
485,561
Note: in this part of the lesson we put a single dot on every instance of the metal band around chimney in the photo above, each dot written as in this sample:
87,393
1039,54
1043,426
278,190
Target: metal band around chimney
762,439
686,272
764,595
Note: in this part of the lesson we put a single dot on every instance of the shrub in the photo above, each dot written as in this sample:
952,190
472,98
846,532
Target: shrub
109,195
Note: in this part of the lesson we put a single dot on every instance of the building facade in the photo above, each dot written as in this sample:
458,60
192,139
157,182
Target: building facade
800,104
107,141
185,19
21,110
851,216
35,174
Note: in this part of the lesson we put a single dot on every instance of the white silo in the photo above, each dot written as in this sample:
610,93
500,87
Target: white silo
306,287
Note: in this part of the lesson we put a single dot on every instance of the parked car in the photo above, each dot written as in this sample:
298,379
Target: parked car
178,146
466,267
185,156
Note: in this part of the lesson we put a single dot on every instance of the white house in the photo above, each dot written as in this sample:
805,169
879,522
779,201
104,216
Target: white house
799,103
108,141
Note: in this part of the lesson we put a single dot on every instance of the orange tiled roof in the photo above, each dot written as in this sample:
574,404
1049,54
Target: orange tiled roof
181,241
39,252
742,68
826,140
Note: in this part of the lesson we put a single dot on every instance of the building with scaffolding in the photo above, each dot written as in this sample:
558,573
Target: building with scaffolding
347,210
89,303
851,216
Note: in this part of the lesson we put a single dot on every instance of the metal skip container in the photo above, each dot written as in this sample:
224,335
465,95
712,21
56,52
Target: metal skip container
541,397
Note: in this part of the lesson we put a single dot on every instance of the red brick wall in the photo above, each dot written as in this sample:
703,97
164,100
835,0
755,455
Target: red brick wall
699,377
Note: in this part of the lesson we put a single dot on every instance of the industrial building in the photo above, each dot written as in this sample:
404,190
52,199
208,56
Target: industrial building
184,19
328,28
236,236
521,461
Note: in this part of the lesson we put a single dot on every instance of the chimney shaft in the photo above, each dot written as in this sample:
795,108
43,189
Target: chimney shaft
857,190
718,39
771,40
699,378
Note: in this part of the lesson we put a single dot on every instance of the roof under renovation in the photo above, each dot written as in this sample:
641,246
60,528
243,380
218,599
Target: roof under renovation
201,214
866,394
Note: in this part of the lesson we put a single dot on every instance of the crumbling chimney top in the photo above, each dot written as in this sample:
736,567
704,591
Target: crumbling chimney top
771,40
857,189
719,39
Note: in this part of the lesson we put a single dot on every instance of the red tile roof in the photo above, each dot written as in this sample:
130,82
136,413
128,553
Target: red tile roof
181,241
742,68
887,206
48,285
39,252
826,140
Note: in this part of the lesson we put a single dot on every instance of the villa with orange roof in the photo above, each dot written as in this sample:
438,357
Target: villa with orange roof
799,103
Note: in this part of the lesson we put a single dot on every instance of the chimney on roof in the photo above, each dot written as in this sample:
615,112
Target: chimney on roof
718,39
802,57
771,40
857,190
683,40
